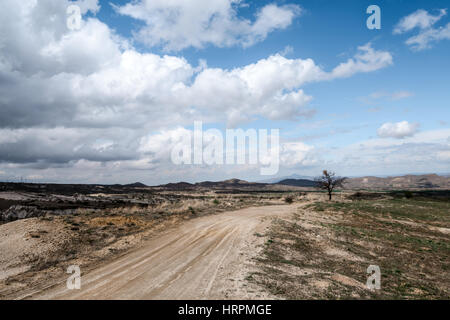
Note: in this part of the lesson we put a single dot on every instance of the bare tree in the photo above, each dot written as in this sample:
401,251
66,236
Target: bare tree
329,181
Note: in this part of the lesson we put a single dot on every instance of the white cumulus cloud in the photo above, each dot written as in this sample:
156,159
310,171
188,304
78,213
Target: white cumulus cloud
397,130
424,39
92,98
419,19
366,60
179,24
425,22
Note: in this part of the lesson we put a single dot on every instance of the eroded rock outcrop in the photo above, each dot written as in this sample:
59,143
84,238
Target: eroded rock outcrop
20,212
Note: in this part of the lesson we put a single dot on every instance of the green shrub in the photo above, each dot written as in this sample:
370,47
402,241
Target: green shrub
408,194
289,199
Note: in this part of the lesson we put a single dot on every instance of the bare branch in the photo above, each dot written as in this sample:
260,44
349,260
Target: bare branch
329,181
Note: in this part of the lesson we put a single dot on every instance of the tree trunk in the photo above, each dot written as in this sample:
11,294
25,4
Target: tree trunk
329,195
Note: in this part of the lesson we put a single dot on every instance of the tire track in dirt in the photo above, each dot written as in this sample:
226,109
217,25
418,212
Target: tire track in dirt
192,261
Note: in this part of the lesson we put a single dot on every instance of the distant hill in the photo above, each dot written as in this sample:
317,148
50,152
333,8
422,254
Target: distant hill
292,176
425,181
178,186
412,182
230,184
428,181
227,182
135,185
298,182
214,185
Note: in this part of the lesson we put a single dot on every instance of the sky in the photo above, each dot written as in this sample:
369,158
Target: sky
107,101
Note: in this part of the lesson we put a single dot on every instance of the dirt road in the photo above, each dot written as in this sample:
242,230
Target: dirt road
204,258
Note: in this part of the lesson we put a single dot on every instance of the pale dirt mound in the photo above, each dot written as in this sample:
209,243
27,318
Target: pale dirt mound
23,239
15,196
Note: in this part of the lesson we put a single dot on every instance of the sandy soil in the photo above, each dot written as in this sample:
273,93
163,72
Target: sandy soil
20,240
204,258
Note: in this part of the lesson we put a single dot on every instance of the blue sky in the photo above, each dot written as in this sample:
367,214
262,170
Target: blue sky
393,114
329,32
